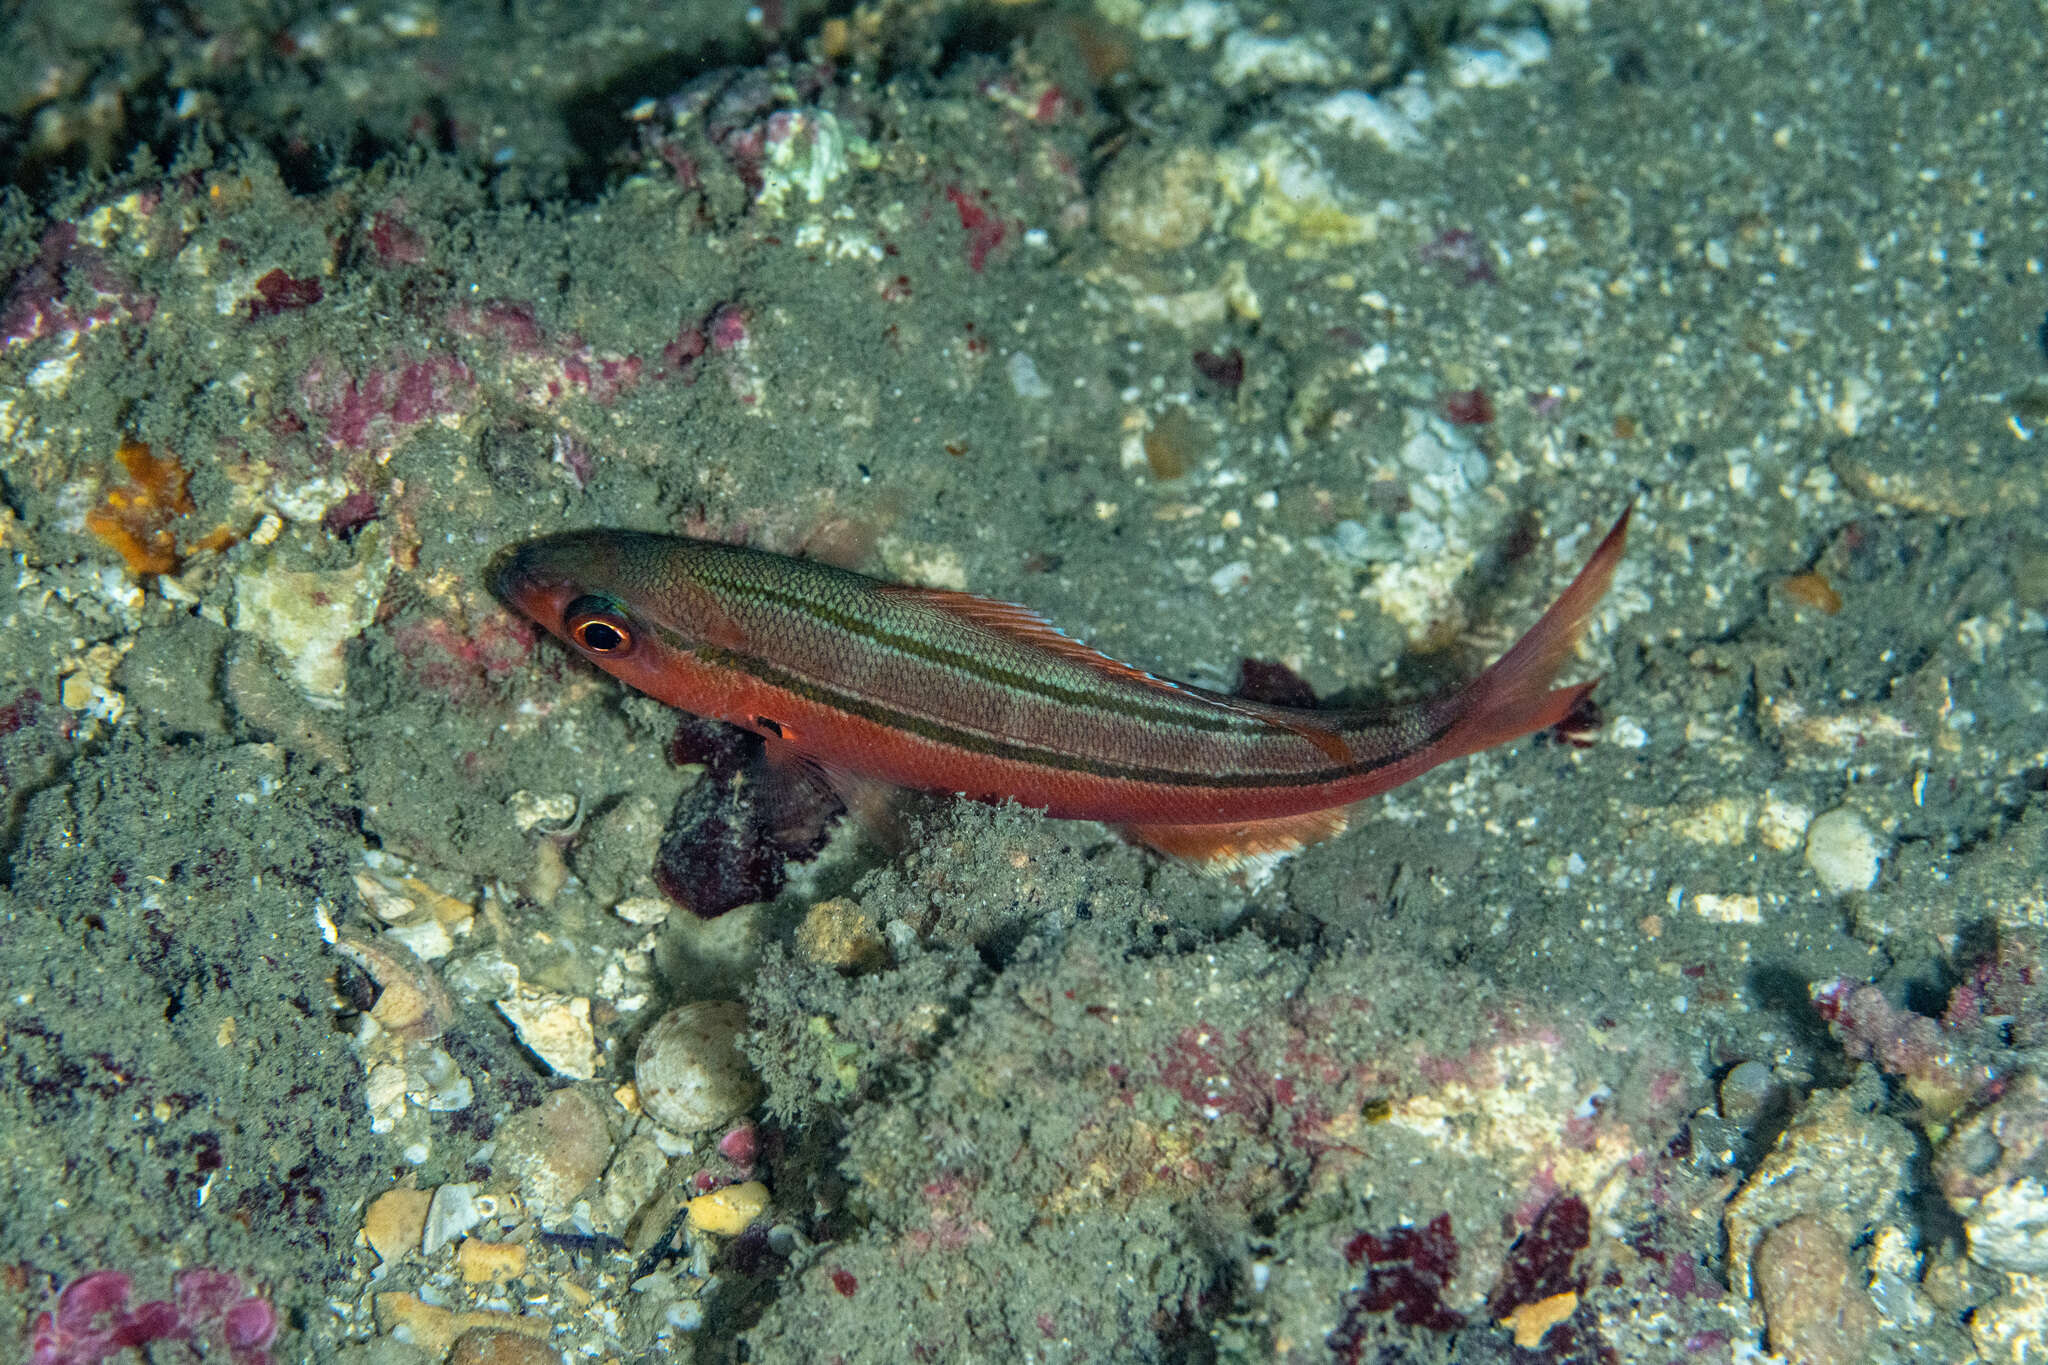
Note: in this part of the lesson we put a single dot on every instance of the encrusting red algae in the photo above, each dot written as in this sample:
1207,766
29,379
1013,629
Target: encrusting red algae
949,692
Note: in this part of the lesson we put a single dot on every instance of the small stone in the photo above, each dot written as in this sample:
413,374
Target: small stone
2008,1227
550,813
1814,1308
645,911
1843,851
486,1262
729,1211
1989,1165
555,1150
2011,1329
620,845
556,1029
495,1346
1836,1161
1737,909
690,1072
452,1212
838,933
434,1329
395,1221
1157,201
1746,1090
630,1181
310,617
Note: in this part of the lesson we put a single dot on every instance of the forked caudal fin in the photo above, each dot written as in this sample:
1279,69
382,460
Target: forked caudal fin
1512,698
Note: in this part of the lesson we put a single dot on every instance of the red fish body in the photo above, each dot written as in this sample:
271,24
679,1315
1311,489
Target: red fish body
949,692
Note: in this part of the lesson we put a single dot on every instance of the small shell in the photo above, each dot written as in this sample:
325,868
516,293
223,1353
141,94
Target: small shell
690,1072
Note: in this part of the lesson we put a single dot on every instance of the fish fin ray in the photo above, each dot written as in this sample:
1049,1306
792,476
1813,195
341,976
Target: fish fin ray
1514,697
1247,848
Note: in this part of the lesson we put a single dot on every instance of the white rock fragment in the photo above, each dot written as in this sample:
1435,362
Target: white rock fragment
1198,23
384,1096
426,938
1247,58
434,1081
1230,577
310,500
556,1029
1494,68
2008,1228
1843,851
1728,909
1355,114
310,617
450,1213
645,911
531,810
1782,824
1024,377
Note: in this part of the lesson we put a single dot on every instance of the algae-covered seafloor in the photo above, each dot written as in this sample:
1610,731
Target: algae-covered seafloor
338,910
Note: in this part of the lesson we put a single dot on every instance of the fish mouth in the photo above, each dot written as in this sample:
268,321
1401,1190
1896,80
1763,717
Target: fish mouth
528,579
507,575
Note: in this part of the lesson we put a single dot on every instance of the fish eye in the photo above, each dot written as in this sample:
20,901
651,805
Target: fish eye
598,627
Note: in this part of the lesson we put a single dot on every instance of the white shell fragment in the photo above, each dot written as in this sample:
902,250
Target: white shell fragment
531,810
452,1212
690,1072
556,1029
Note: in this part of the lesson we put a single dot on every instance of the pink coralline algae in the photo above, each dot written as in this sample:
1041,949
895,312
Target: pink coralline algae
375,411
279,292
66,290
550,366
985,230
1407,1270
1944,1064
1461,253
208,1311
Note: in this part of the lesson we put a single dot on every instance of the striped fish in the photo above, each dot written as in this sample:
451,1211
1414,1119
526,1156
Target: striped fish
949,692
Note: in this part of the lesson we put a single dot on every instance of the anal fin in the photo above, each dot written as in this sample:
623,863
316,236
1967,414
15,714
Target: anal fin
1246,848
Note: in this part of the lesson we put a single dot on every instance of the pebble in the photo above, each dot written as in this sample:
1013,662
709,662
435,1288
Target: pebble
555,1150
556,1029
730,1210
453,1211
435,1329
1154,201
690,1072
492,1346
1745,1090
310,617
838,933
394,1222
1843,851
1814,1308
483,1262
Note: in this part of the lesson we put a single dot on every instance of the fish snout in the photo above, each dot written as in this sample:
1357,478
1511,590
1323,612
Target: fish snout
531,578
507,574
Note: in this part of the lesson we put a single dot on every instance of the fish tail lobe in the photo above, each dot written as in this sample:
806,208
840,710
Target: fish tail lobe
1515,697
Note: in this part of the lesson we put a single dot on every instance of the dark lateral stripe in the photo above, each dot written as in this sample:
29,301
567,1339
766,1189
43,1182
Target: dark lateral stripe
1129,704
988,746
